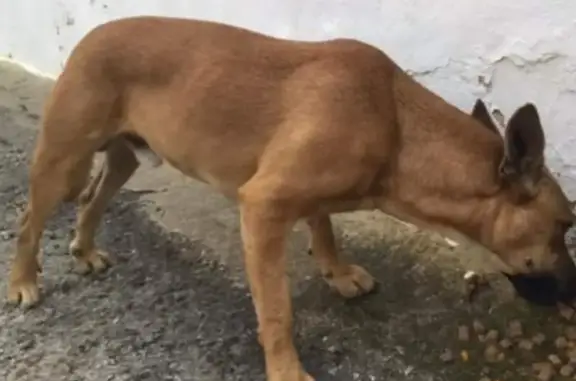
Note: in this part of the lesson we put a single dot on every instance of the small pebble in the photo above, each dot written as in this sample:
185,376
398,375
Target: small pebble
463,333
469,276
567,370
555,359
6,235
464,356
514,329
561,342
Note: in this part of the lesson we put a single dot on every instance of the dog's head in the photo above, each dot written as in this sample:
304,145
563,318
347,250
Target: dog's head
532,215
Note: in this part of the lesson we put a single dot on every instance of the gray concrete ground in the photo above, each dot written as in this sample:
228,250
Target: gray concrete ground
176,306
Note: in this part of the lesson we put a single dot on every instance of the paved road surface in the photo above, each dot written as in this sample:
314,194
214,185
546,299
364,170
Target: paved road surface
176,306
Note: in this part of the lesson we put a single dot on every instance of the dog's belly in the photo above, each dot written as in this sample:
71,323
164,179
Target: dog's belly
223,174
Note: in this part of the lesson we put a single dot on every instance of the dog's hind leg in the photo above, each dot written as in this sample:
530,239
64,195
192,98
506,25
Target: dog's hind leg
89,190
80,116
118,167
56,175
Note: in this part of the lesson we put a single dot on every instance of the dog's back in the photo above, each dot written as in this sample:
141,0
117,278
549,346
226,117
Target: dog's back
225,94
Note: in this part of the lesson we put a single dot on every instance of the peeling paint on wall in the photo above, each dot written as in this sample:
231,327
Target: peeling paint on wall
507,53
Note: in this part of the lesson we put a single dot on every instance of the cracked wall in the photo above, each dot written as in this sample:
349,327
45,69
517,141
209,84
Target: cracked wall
508,53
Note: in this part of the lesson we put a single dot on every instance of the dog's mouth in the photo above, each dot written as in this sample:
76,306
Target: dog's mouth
542,289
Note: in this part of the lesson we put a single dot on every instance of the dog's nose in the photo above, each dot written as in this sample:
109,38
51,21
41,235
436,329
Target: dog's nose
529,264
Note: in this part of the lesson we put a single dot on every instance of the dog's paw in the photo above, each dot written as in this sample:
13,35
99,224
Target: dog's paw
24,292
94,261
352,281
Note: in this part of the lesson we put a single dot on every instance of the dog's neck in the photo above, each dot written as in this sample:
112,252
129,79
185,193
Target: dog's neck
446,174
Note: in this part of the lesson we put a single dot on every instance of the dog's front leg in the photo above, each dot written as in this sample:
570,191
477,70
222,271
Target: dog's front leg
348,279
264,230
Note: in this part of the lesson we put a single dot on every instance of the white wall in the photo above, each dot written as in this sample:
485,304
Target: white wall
508,52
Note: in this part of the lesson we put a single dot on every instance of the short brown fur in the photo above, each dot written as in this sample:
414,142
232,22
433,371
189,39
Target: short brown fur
292,130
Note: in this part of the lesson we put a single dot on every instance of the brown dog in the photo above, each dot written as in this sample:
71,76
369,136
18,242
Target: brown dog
292,130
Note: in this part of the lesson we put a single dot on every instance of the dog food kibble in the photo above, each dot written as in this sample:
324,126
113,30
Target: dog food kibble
554,359
571,354
544,371
567,370
478,327
561,342
505,343
492,336
491,353
565,311
571,333
447,356
538,338
514,329
463,333
526,345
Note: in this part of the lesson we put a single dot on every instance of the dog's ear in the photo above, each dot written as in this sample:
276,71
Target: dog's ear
524,145
480,113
